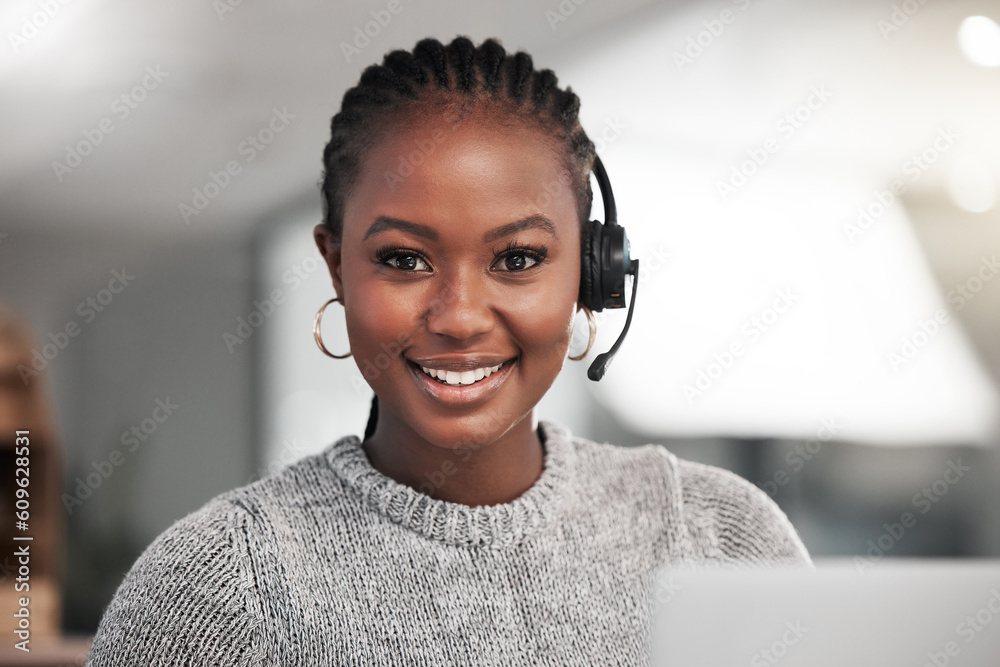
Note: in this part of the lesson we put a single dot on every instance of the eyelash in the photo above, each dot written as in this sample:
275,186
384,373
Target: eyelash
537,253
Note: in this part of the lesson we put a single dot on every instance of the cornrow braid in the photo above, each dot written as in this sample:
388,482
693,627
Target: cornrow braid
465,76
459,76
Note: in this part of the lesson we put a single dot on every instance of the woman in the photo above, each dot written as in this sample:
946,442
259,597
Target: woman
461,530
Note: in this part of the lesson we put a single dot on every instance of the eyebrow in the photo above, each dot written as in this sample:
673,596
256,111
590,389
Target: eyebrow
531,222
384,223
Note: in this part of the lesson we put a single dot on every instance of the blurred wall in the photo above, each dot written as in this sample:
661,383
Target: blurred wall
151,358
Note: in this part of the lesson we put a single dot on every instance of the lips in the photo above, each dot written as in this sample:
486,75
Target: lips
485,380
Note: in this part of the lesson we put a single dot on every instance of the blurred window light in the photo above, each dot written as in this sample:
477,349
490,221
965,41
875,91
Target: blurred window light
979,39
770,318
50,33
971,184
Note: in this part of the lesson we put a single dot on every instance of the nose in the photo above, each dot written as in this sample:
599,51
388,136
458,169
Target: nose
460,309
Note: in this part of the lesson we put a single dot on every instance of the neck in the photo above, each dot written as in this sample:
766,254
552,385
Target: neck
484,474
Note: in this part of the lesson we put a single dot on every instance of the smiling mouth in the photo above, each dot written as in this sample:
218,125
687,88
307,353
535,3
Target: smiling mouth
460,378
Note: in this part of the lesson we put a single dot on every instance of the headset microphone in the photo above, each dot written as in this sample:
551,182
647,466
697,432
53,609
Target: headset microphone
604,264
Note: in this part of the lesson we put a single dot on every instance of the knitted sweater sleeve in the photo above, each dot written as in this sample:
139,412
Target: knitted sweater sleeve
190,599
731,520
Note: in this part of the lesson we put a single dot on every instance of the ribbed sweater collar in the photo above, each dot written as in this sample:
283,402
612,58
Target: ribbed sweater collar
496,526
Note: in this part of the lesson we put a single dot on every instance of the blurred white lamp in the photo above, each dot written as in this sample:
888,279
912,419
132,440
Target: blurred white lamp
979,39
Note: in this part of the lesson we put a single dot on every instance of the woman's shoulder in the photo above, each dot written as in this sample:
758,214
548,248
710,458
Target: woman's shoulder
725,516
731,517
188,596
204,582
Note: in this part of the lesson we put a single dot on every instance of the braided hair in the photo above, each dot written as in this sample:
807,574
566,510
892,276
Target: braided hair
460,79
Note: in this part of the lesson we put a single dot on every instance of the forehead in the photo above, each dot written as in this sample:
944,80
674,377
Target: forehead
462,176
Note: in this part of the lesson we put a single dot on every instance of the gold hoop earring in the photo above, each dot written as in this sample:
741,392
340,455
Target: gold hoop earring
593,334
318,333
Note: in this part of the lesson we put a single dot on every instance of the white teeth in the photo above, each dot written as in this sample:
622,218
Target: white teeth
463,377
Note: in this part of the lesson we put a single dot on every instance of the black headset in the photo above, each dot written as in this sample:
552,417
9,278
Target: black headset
604,263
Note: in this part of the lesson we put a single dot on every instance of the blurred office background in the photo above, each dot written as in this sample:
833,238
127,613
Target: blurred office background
809,186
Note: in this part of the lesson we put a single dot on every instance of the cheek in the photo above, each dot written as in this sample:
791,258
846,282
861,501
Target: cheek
542,319
541,315
380,319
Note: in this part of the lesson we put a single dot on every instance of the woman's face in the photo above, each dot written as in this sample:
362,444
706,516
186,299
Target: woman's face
460,253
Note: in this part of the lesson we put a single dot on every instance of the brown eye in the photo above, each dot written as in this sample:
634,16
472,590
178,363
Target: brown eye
401,259
517,262
516,258
407,262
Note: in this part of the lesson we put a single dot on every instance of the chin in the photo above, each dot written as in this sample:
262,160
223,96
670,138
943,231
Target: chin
476,428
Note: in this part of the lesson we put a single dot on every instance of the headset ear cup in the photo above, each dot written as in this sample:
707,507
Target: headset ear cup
590,266
614,266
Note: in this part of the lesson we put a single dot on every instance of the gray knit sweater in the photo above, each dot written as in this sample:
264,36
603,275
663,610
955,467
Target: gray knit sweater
330,562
